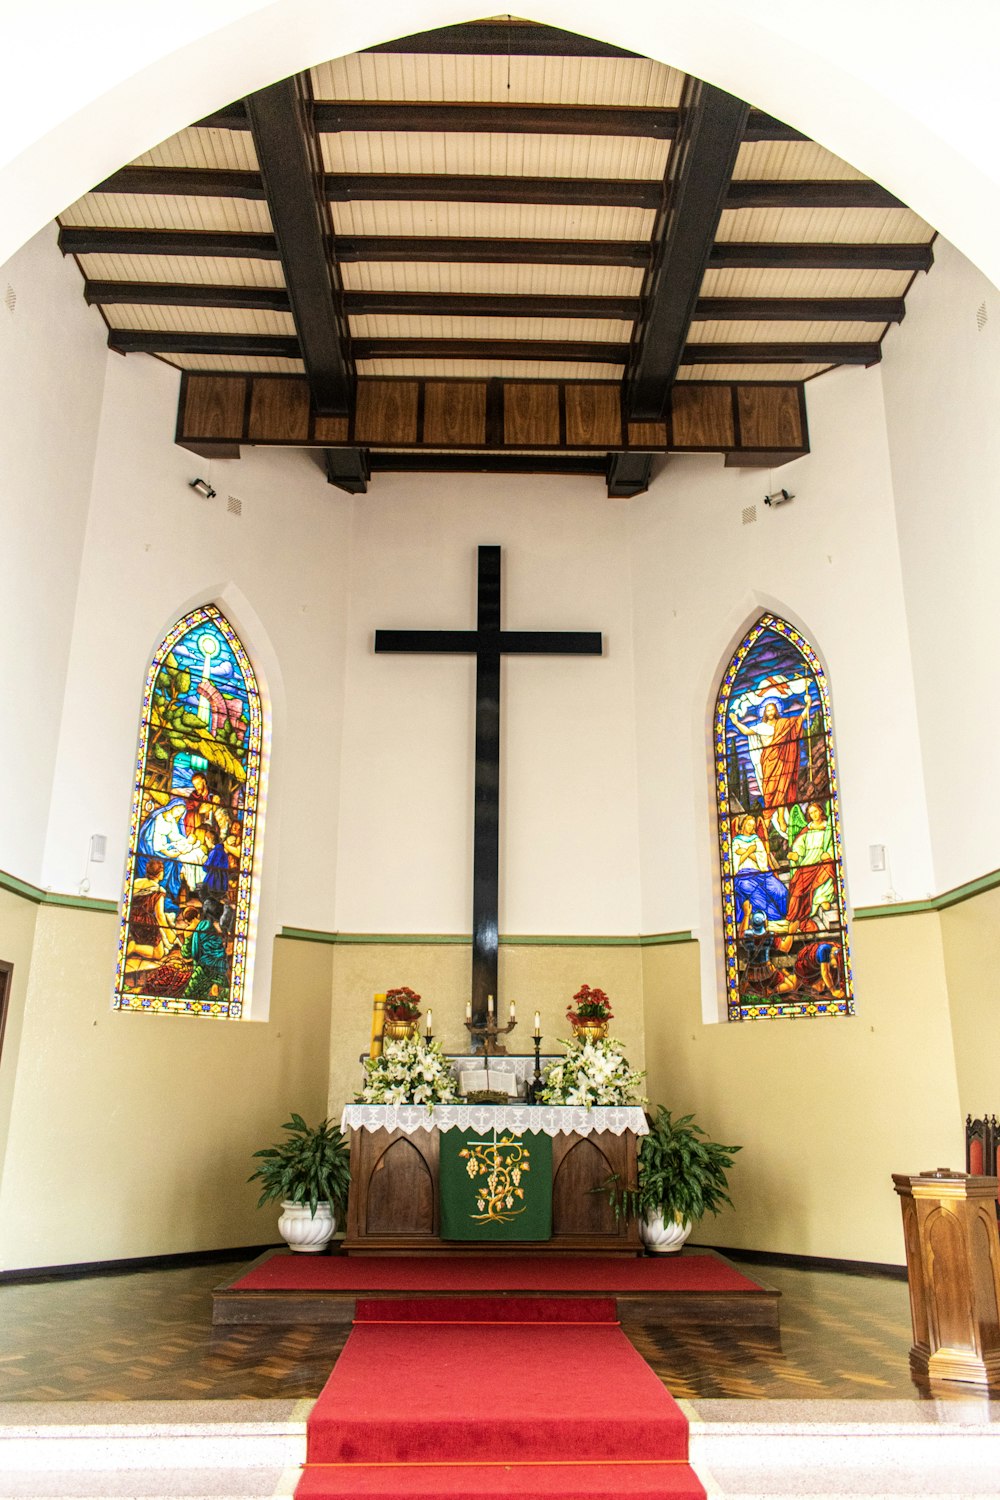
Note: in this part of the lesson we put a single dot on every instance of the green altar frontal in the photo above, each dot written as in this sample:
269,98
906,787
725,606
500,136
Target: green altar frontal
495,1185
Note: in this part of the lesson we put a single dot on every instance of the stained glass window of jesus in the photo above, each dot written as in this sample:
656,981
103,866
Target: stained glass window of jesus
188,904
784,914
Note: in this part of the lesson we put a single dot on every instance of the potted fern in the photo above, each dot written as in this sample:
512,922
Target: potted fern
309,1174
681,1177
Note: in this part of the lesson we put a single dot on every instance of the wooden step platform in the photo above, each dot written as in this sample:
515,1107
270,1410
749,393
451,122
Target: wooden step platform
694,1289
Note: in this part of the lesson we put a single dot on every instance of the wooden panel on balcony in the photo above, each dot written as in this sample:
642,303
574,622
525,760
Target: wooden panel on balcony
531,414
770,416
701,416
331,429
279,411
386,411
593,416
212,407
455,412
647,434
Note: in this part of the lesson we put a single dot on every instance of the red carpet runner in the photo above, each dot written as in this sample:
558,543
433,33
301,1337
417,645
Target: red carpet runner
473,1398
491,1273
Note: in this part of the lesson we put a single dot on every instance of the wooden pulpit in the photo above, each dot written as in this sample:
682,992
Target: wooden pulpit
953,1267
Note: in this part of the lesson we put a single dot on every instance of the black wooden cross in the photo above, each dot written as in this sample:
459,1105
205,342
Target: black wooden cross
488,643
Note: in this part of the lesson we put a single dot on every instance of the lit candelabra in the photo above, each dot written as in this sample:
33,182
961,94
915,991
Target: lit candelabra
486,1038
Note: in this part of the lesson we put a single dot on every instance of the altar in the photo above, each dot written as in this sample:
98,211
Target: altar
395,1202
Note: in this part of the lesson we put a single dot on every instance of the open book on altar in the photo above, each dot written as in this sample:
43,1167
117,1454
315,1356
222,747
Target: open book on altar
494,1080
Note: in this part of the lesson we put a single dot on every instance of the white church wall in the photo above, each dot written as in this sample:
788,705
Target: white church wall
942,392
568,790
829,560
155,548
52,361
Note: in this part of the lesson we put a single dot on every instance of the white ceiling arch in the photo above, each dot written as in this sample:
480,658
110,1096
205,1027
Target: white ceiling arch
900,88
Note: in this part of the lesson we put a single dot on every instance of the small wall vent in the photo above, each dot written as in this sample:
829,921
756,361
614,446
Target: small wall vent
749,515
982,316
10,299
234,505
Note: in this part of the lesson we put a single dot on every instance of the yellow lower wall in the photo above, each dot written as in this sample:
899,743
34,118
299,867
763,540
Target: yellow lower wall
132,1134
825,1110
970,935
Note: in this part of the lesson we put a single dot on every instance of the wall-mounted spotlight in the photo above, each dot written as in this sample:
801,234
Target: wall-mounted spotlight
779,497
203,488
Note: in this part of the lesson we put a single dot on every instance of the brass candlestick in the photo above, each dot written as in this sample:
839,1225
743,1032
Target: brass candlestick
485,1038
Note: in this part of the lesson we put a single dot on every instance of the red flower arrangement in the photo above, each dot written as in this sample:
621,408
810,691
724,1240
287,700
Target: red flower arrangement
591,1005
402,1004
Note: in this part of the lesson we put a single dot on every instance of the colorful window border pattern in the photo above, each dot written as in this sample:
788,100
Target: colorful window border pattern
775,1008
246,895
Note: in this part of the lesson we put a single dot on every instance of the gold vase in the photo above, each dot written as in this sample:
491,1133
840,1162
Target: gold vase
400,1031
590,1031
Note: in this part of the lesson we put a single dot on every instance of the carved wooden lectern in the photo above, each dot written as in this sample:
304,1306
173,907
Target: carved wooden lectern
953,1266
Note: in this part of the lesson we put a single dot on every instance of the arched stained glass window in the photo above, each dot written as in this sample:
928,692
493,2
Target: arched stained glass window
784,914
188,904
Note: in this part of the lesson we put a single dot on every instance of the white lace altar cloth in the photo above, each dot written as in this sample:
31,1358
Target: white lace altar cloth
536,1119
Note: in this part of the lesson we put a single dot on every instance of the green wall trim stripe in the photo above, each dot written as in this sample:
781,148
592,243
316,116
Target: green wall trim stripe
513,940
52,898
953,897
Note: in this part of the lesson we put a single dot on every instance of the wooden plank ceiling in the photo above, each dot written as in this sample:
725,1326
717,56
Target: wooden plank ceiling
493,217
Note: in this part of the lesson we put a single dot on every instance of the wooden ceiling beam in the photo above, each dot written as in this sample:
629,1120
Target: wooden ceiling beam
695,191
289,169
493,251
813,353
446,187
447,304
802,309
586,351
239,345
177,294
727,254
799,193
79,240
332,115
255,345
75,240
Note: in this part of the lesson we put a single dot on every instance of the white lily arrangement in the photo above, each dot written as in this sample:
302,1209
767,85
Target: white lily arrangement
413,1071
591,1073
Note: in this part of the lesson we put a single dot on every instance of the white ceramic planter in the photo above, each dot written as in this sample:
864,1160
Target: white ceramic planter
302,1231
663,1237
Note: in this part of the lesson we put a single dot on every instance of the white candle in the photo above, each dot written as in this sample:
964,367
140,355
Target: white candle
468,1010
430,1023
489,1006
513,1013
538,1023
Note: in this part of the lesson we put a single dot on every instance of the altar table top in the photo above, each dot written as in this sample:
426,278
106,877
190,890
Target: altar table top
547,1119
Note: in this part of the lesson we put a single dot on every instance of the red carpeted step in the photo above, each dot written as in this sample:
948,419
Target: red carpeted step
488,1274
500,1309
526,1481
448,1394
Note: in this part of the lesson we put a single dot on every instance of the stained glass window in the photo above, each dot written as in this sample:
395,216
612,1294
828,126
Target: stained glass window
188,905
784,915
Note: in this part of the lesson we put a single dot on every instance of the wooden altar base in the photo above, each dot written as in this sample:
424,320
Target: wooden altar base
754,1307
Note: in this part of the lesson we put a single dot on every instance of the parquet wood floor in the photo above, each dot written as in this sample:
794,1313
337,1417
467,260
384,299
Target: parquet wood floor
148,1336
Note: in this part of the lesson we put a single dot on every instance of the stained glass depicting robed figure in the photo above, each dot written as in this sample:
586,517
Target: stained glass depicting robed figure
187,906
785,928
